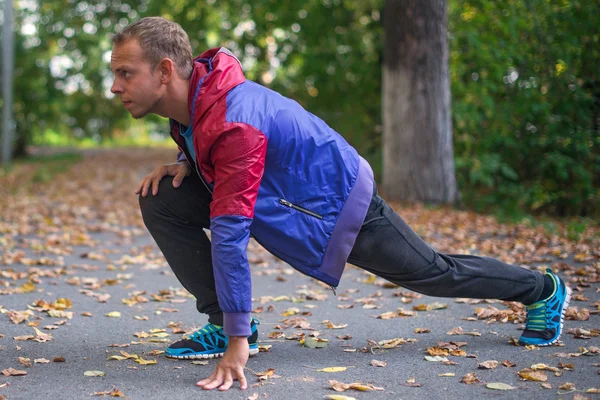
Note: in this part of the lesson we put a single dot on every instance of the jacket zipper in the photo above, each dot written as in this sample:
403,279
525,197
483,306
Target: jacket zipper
298,208
191,161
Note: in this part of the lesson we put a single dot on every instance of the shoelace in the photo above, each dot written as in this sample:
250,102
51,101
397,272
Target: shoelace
536,317
209,328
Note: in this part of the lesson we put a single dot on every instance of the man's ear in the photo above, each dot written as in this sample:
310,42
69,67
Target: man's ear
166,68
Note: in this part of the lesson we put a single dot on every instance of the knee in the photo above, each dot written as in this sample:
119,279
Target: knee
151,205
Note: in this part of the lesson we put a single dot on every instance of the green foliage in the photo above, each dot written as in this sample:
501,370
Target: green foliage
524,79
526,96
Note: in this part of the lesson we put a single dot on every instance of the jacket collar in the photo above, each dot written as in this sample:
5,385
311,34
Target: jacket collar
215,72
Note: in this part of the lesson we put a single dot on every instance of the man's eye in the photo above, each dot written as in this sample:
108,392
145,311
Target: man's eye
126,74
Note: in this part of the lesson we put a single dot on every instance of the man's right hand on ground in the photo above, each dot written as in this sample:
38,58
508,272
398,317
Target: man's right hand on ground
178,170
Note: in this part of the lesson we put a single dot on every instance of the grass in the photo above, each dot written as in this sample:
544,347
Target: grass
45,166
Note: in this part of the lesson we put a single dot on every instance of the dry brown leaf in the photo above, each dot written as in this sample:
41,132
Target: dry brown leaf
112,393
490,364
422,330
13,372
567,386
376,363
269,373
470,378
437,351
531,375
455,331
25,361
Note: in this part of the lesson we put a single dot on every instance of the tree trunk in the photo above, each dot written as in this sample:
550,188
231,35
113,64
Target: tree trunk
418,160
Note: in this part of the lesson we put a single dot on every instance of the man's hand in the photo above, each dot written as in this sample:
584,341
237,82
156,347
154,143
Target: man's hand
179,170
231,366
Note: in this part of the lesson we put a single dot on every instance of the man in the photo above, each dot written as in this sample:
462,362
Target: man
253,162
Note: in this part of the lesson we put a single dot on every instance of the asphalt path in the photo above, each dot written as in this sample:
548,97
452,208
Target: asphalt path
133,266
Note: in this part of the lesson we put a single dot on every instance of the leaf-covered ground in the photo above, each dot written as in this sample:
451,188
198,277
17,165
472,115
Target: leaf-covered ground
88,304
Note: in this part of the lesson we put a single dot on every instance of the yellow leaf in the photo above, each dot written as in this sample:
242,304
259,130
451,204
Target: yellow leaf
447,374
338,397
145,362
332,369
118,358
114,314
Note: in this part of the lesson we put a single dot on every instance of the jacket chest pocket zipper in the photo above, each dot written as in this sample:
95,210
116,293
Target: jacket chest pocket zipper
298,208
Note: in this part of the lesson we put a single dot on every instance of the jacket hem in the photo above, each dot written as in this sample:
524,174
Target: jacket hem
348,224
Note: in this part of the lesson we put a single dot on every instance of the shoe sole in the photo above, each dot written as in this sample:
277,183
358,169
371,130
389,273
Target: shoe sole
206,356
562,319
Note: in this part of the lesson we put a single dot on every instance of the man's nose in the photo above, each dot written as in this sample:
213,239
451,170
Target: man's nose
116,88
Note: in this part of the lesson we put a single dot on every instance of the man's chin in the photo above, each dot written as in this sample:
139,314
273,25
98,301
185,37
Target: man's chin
138,115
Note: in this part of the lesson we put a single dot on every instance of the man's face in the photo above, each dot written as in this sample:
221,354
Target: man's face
138,87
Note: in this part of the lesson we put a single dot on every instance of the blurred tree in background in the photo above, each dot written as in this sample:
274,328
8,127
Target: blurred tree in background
524,81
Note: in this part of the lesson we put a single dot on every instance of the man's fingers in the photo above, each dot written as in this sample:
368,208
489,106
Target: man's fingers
226,385
178,178
145,187
155,183
242,378
216,380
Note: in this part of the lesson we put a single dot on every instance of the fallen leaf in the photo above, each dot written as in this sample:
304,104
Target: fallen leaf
447,374
412,382
25,361
470,378
60,314
455,331
263,376
338,397
140,360
436,359
332,369
116,357
499,386
342,387
253,397
13,372
263,348
437,351
567,386
315,343
112,393
541,367
199,362
41,361
531,375
490,364
331,325
422,330
114,314
376,363
94,373
59,359
508,364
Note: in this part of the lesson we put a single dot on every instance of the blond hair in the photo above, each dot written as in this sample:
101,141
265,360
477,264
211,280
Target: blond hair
160,38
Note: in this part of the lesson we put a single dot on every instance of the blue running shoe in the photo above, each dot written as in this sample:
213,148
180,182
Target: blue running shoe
545,318
208,342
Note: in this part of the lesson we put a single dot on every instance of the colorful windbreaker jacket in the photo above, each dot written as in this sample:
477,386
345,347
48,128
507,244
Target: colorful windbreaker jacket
277,173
